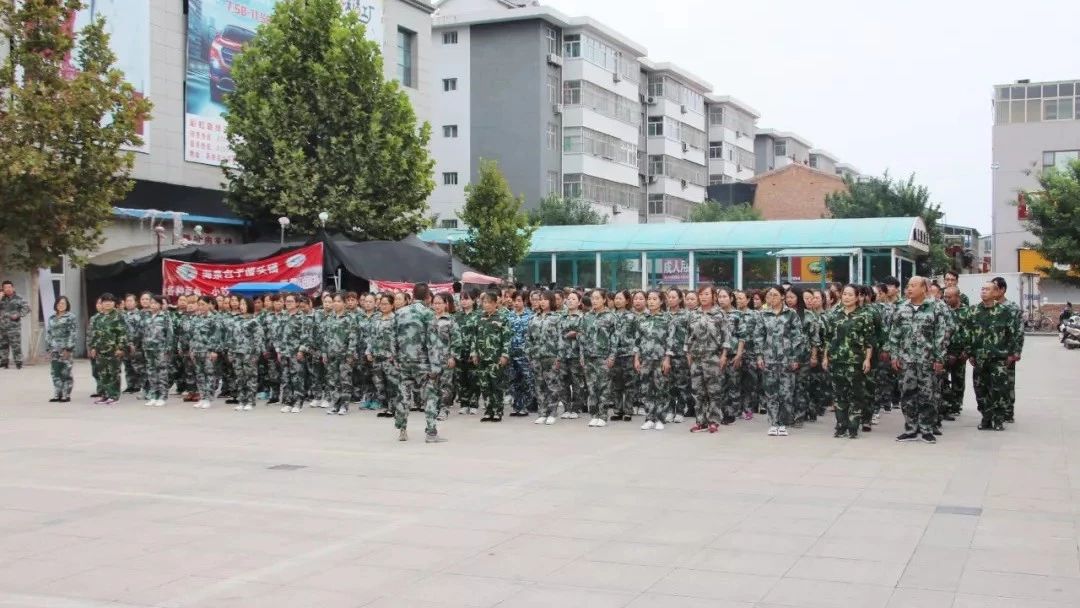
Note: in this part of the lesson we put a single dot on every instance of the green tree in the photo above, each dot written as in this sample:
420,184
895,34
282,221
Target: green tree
712,211
315,127
62,166
558,211
499,231
885,197
1054,217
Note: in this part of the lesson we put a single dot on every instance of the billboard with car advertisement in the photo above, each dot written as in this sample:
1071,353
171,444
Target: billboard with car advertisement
216,33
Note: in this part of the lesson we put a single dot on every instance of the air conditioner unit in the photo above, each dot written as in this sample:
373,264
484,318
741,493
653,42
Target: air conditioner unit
555,59
685,147
556,108
650,100
652,179
683,109
684,184
615,77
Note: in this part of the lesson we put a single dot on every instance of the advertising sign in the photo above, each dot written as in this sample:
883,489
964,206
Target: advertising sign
303,267
387,286
217,32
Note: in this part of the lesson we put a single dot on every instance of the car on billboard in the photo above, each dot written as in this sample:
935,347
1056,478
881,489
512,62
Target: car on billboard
223,49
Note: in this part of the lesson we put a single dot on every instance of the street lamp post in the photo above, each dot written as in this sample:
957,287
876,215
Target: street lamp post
283,221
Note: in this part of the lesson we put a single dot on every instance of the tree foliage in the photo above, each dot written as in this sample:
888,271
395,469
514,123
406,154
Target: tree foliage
558,211
1054,217
499,231
712,211
885,197
62,166
315,127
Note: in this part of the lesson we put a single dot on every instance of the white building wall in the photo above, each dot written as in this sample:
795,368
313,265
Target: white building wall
450,108
404,15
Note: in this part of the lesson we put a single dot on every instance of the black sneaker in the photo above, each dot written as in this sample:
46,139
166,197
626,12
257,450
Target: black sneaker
4,365
384,414
887,408
949,418
54,400
487,419
937,432
496,418
928,438
94,395
999,426
65,399
615,418
912,436
627,418
867,428
18,365
853,434
232,401
986,426
272,401
839,433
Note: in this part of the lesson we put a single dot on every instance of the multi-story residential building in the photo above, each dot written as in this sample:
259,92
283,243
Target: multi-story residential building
732,128
554,99
847,170
778,149
823,160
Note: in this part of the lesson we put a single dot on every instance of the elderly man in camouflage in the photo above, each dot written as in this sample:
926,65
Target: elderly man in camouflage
1018,346
916,349
952,385
990,335
12,309
413,331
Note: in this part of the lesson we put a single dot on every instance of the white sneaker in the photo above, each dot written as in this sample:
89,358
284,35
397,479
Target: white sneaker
239,408
601,422
248,407
197,404
285,409
659,426
875,419
309,403
326,404
773,431
669,417
472,411
648,426
150,403
540,420
782,431
295,409
204,404
593,422
678,418
638,411
159,403
565,415
550,420
573,416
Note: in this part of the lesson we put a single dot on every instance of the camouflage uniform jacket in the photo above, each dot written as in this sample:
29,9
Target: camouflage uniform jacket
885,312
990,332
382,337
205,334
466,326
847,336
14,306
958,341
338,334
749,320
780,339
110,333
1018,318
598,335
133,321
677,332
917,333
157,333
735,319
246,336
491,340
570,348
268,320
60,335
313,331
708,333
413,331
652,336
362,321
519,324
543,337
293,335
442,341
626,328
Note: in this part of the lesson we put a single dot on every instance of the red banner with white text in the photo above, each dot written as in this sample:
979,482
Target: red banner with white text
303,267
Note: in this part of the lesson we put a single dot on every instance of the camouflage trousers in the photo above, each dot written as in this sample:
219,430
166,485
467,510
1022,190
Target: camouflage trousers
383,381
315,379
750,386
952,386
653,386
813,392
206,377
1010,384
597,381
489,384
292,382
338,370
778,384
60,370
246,382
731,395
572,384
990,378
182,375
135,370
227,374
707,385
108,366
623,386
10,339
361,380
158,369
849,388
440,387
680,395
886,385
412,377
96,375
546,379
521,383
868,397
917,380
465,382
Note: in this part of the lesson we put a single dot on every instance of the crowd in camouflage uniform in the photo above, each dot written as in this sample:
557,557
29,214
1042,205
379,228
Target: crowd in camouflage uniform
715,354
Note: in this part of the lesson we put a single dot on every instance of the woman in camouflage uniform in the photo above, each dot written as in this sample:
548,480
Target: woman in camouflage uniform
749,382
681,399
442,345
706,350
780,346
731,399
246,345
849,347
598,356
793,299
381,353
60,340
651,361
542,342
464,376
624,378
571,369
158,344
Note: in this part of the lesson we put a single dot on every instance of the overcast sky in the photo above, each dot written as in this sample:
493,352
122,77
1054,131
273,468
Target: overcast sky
904,86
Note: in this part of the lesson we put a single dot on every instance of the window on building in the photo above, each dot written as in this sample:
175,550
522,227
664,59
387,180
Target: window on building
1059,159
571,92
406,57
572,45
1037,103
716,149
552,183
571,185
448,224
450,178
552,40
779,148
553,88
552,136
449,37
449,84
449,131
656,204
716,115
813,161
715,179
656,126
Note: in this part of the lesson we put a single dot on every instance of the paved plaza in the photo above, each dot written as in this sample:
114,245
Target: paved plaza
175,507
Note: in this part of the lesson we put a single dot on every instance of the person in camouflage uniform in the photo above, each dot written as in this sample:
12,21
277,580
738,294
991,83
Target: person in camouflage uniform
464,376
542,344
989,337
413,330
651,360
916,349
107,347
292,347
442,344
490,352
520,374
1017,347
731,394
60,342
848,343
12,309
338,332
571,369
780,345
946,314
226,374
320,385
382,354
952,279
816,395
205,342
598,356
177,316
624,378
749,375
681,398
91,330
246,345
708,342
272,326
954,379
134,363
157,344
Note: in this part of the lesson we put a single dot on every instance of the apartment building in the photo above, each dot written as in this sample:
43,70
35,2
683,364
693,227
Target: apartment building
554,99
823,160
847,170
732,129
778,149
